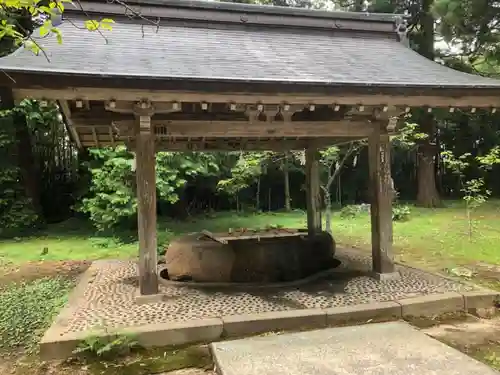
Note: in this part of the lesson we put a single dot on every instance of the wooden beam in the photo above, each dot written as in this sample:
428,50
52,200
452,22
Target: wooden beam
63,105
259,235
313,191
240,144
122,106
404,99
210,235
146,204
381,195
219,146
238,129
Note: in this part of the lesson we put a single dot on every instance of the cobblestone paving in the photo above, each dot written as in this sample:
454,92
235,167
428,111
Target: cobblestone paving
107,300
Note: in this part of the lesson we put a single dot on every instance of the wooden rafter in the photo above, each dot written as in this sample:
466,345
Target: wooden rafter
63,104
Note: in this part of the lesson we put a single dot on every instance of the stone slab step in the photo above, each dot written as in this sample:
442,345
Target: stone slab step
394,348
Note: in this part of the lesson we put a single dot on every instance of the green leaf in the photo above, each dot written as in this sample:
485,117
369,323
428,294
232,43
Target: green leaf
43,31
58,33
91,25
105,26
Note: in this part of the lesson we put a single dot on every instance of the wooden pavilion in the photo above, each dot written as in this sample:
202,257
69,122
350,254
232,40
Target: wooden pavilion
189,75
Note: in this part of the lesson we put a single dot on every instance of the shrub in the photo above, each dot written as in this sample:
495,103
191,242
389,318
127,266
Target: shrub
354,210
163,240
401,213
105,242
107,347
17,215
26,311
111,200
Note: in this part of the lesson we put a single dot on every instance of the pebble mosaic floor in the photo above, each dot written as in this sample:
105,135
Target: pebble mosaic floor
106,300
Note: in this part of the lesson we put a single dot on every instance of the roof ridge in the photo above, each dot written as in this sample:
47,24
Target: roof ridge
265,9
236,13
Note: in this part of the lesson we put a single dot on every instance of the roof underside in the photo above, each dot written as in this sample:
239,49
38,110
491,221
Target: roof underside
238,52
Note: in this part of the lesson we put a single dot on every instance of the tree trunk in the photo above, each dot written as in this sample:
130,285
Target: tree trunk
257,198
358,5
328,214
269,200
286,175
27,166
427,195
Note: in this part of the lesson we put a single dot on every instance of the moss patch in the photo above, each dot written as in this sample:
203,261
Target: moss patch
151,361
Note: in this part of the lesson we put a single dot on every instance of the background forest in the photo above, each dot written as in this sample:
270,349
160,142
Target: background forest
443,155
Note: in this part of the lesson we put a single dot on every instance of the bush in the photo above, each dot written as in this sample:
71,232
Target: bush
163,240
17,215
26,311
105,242
354,210
401,213
107,347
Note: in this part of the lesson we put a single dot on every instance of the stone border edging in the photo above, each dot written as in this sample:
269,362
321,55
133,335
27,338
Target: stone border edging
78,291
54,345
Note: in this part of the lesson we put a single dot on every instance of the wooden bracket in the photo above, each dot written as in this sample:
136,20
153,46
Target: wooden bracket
144,124
143,111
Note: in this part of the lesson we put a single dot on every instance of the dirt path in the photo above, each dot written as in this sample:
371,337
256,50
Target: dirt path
29,271
470,333
478,338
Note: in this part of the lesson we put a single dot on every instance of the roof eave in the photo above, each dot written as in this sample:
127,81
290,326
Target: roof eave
47,78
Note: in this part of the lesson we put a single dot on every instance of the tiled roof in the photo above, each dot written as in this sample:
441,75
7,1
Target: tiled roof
239,53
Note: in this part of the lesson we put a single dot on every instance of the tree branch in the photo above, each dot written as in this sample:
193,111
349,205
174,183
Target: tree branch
352,148
88,17
135,13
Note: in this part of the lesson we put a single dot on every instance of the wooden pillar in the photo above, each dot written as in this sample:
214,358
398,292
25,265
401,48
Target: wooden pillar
381,202
313,195
146,203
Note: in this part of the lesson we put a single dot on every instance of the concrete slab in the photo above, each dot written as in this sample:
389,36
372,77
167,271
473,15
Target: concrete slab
393,348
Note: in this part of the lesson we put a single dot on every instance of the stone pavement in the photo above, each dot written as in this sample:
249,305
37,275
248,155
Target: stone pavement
106,298
393,348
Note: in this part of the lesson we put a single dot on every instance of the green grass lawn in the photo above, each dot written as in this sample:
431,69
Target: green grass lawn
434,238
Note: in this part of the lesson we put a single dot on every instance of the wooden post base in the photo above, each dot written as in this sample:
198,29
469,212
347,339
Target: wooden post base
386,276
